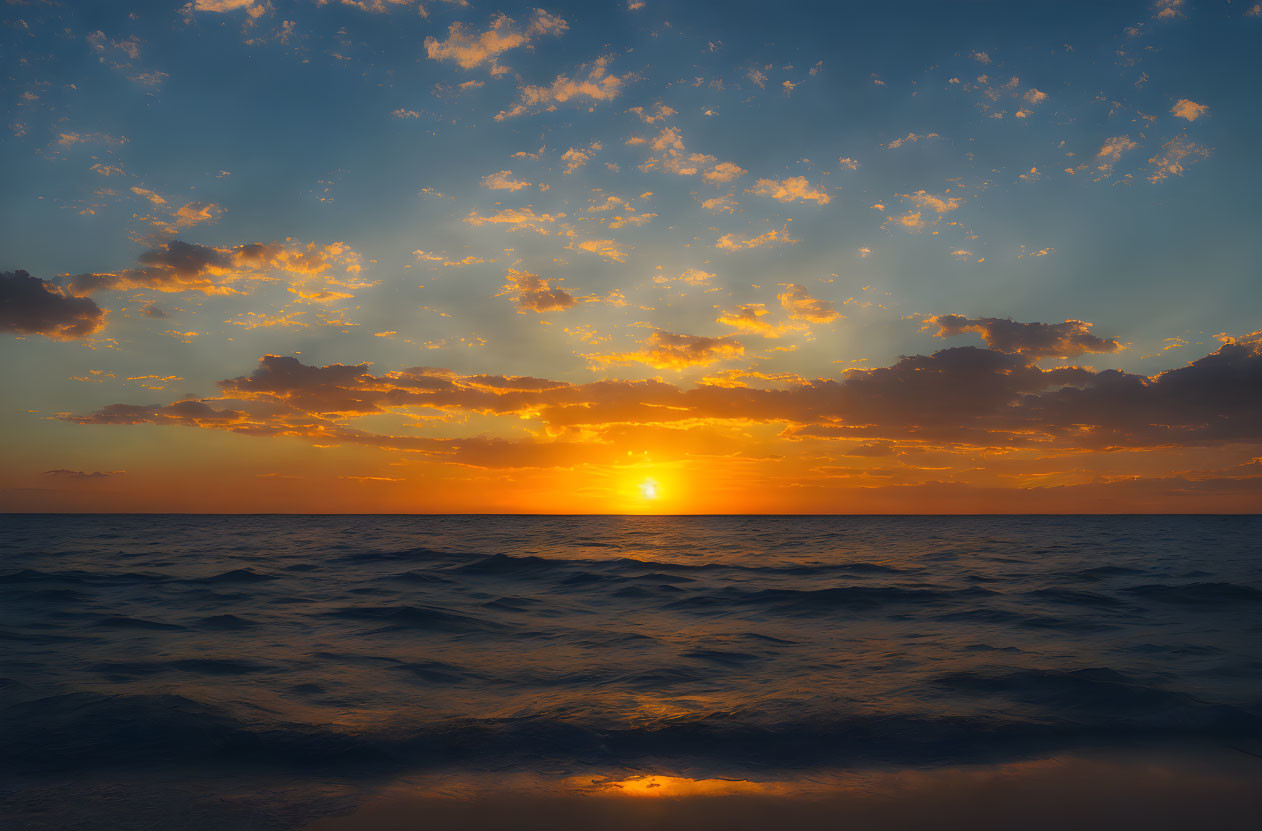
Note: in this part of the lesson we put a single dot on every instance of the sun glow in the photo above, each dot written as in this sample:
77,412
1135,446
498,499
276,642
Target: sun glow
648,489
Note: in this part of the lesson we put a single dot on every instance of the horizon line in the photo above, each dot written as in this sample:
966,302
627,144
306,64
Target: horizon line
611,514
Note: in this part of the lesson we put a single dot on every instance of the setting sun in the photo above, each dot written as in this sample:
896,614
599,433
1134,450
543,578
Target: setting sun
648,489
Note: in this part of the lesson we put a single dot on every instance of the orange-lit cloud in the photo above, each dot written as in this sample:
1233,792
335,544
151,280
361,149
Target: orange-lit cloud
1190,110
960,396
530,292
517,219
503,180
469,48
737,242
313,272
940,204
576,157
667,350
595,83
800,305
787,190
1174,157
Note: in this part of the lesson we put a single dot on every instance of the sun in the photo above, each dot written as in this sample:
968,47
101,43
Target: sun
648,489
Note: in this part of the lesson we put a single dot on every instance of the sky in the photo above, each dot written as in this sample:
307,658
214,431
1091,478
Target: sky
630,257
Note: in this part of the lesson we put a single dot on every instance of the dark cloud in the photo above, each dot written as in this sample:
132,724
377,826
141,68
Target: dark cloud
963,396
177,265
81,475
1038,340
31,306
669,350
328,389
533,293
312,271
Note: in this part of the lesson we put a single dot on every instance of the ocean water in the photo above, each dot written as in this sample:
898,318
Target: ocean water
274,672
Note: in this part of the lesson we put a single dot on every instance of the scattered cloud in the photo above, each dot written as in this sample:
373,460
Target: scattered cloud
787,190
1190,110
800,305
517,219
593,83
910,138
503,180
575,157
1176,154
773,237
940,204
691,276
470,48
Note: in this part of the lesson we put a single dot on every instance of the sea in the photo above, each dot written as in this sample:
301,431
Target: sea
347,672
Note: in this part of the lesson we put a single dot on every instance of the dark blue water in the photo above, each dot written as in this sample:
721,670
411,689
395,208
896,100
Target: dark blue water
346,650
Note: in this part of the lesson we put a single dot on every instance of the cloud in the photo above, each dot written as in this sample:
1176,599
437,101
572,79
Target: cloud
81,475
594,84
632,219
517,219
774,237
575,158
1190,110
749,318
658,112
31,306
222,6
787,190
912,221
720,204
964,397
187,215
1037,340
70,139
800,305
691,276
531,292
1113,148
940,204
674,158
724,172
667,350
469,48
607,248
910,138
1176,154
316,273
154,198
503,180
122,55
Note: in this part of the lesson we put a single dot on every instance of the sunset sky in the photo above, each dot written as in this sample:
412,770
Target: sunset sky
665,257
